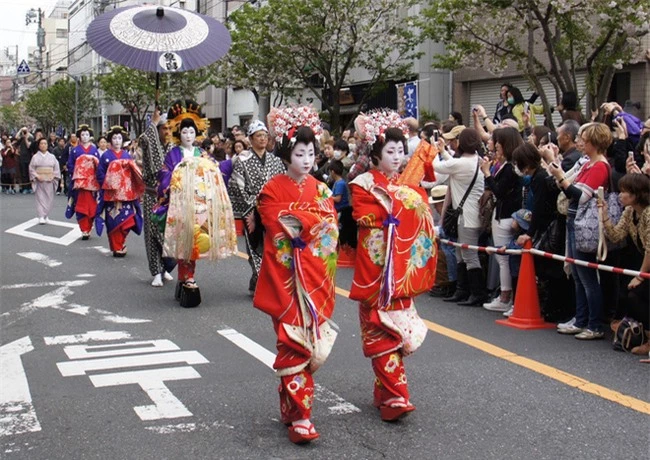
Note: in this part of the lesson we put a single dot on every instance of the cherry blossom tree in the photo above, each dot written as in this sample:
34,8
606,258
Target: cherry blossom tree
598,36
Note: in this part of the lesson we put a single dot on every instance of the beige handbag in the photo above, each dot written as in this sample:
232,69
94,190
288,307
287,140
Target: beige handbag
562,204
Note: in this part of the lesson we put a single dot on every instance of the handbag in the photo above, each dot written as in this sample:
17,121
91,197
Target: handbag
486,206
629,334
450,219
552,238
562,204
587,221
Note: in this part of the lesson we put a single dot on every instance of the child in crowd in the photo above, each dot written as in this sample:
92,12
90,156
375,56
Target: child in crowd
339,186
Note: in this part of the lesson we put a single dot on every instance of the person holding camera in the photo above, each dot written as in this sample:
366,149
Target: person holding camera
25,141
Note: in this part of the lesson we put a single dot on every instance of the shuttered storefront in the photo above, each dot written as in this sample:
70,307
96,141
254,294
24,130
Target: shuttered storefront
486,93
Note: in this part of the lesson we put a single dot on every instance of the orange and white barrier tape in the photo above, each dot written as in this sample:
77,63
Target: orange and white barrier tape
548,255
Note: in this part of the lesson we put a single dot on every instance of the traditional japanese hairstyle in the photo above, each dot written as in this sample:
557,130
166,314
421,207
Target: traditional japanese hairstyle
84,127
187,113
378,127
290,125
116,130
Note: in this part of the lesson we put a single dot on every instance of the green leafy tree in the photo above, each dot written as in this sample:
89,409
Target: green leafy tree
39,106
598,36
62,95
13,117
317,44
55,105
135,90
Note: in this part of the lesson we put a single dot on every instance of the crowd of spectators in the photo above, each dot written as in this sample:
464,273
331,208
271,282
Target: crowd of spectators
535,181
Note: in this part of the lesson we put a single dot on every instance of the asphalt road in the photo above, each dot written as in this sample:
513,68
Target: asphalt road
97,364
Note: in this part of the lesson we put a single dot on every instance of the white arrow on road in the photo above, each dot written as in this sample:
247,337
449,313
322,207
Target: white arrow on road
17,414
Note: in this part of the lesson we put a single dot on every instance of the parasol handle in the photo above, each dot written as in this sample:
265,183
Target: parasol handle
157,88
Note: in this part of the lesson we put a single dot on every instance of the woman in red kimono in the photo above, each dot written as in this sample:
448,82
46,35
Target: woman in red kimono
296,281
396,260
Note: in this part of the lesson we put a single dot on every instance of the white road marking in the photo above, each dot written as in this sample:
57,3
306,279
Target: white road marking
168,429
101,249
17,414
56,300
73,283
152,381
68,369
113,318
85,275
249,346
187,427
40,258
122,349
90,336
340,407
66,240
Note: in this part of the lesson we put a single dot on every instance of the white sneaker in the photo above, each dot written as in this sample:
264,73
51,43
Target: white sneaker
47,220
569,323
157,281
498,305
570,330
509,313
168,277
41,220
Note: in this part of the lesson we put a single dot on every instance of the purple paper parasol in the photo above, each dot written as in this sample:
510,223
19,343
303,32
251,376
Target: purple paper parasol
158,39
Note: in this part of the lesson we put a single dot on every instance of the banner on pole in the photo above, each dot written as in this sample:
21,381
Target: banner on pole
410,98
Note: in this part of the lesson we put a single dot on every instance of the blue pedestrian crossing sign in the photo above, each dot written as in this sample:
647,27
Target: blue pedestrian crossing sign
23,68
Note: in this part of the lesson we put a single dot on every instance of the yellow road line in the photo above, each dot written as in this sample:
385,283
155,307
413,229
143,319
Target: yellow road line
535,366
530,364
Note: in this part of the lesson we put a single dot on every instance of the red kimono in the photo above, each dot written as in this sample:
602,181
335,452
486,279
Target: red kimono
296,283
396,260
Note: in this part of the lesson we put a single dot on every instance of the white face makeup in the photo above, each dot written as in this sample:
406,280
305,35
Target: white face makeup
116,141
188,136
84,137
392,156
302,161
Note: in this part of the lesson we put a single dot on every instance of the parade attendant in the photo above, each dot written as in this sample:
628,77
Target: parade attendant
121,186
296,280
251,170
155,144
396,260
193,203
44,173
82,170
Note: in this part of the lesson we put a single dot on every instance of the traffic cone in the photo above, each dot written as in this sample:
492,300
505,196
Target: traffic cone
527,313
347,255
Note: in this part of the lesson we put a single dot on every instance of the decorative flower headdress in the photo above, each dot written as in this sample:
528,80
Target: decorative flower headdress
181,110
374,124
284,121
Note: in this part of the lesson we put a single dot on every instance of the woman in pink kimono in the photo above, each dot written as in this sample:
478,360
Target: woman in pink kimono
44,172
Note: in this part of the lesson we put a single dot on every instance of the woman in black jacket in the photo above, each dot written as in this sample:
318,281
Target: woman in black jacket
506,186
554,287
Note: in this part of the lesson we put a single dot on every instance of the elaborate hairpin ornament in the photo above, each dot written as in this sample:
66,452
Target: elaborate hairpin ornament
374,124
181,110
284,121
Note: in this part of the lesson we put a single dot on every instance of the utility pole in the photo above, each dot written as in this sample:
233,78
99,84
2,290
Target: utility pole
34,15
